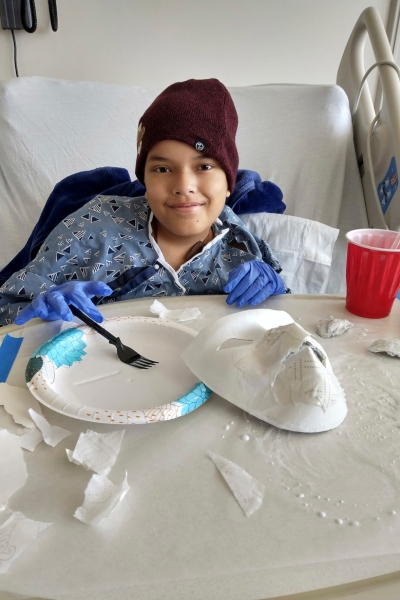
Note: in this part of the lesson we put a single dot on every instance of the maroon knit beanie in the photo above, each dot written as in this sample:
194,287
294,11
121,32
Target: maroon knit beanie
198,112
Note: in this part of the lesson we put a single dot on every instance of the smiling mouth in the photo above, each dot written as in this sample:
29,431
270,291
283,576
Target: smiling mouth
187,207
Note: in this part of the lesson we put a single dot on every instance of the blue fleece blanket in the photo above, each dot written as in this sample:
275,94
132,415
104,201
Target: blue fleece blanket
251,195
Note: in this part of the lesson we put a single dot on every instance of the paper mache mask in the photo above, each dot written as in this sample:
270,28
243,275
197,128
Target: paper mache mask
266,364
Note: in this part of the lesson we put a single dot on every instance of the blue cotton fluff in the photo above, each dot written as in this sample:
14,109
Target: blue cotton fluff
251,195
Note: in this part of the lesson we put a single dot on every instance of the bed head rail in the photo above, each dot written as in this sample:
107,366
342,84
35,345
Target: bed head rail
378,167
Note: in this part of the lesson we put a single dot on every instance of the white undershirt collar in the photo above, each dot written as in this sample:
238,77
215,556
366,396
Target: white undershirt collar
161,258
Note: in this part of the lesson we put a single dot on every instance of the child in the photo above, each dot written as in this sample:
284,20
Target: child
178,239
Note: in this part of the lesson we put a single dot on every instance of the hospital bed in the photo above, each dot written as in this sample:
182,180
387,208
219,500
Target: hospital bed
298,136
330,165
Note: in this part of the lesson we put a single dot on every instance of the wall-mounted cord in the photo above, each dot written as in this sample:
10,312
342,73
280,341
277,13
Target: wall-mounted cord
392,64
369,157
29,28
15,53
53,14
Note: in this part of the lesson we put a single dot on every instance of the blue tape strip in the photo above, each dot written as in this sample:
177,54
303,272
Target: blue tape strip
8,353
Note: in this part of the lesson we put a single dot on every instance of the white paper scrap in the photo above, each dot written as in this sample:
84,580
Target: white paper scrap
249,492
101,497
70,454
327,328
52,434
97,451
31,439
13,472
15,534
17,402
387,345
186,314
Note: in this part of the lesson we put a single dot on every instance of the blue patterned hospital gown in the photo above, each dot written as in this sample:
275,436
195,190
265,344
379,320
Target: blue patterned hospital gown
110,239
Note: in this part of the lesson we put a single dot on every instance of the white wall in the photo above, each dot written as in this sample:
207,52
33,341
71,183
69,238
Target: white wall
156,42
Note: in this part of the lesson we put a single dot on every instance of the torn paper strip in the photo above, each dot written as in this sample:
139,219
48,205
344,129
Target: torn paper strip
17,402
306,380
101,497
13,472
97,451
15,535
30,439
52,434
248,491
186,314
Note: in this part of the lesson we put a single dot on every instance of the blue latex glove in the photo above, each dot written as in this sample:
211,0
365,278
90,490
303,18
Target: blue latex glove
253,282
54,304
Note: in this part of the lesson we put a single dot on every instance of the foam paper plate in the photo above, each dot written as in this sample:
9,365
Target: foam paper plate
78,373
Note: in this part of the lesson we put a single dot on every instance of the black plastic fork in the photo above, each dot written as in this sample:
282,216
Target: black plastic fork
125,354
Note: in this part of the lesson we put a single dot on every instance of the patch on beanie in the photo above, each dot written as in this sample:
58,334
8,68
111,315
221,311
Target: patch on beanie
199,145
140,134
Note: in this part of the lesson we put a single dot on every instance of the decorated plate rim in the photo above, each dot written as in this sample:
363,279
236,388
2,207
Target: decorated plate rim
38,372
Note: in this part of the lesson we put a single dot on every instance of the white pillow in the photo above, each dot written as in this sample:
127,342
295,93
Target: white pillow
301,138
50,129
303,247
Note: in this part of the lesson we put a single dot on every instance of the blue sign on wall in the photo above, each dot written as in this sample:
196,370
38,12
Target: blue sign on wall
388,187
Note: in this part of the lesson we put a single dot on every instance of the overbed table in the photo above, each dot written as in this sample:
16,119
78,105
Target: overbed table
179,533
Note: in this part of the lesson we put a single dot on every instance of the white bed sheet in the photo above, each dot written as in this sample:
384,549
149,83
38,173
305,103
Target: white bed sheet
298,136
303,247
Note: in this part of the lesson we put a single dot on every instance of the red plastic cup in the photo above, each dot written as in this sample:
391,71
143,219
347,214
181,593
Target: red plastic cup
372,272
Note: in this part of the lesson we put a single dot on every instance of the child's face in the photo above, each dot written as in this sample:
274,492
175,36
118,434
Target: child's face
185,190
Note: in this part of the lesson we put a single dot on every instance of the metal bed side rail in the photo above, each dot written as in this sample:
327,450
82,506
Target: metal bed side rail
385,138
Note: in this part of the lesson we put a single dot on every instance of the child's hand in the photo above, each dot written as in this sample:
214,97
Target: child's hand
54,304
253,282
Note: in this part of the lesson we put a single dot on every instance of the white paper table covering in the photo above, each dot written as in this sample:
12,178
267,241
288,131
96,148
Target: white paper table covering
169,460
15,535
17,402
13,472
